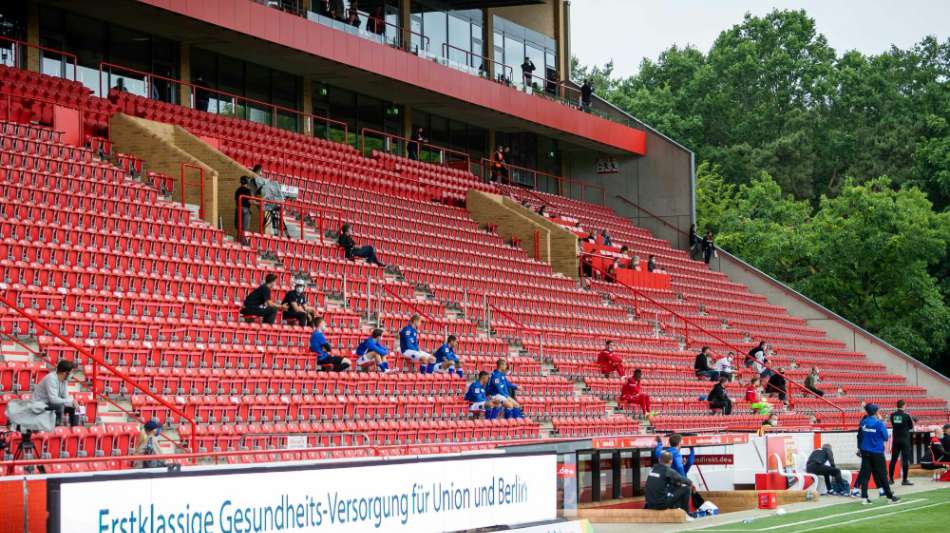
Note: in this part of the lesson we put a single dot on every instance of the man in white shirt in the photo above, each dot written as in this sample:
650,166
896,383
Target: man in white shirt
52,391
724,366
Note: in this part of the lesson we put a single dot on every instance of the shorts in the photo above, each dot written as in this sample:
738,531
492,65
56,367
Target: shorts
500,398
334,360
414,355
363,360
477,406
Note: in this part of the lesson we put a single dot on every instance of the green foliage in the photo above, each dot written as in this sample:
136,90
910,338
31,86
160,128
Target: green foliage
794,142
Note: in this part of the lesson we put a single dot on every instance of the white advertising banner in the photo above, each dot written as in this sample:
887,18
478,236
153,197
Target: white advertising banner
422,496
573,526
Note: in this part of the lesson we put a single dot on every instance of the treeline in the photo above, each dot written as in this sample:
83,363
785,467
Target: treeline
829,171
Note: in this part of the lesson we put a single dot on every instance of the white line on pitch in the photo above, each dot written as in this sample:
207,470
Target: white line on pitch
875,516
826,517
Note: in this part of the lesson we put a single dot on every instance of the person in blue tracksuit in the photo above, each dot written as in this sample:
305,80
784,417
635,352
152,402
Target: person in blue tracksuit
320,346
478,399
682,467
372,354
502,390
872,436
409,346
446,359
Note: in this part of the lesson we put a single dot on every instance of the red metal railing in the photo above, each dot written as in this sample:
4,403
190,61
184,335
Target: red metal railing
687,321
96,363
15,43
201,186
404,144
35,98
305,210
551,88
564,185
470,58
305,119
410,305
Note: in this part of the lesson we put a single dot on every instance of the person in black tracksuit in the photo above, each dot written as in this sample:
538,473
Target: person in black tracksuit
666,488
821,462
718,397
901,426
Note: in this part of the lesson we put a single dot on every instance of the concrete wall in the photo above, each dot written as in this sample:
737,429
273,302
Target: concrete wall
163,147
540,18
660,182
856,339
558,247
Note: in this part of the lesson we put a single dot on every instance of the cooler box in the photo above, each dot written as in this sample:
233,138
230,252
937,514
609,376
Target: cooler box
771,481
767,500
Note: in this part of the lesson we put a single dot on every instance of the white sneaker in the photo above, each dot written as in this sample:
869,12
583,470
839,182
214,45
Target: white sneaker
866,501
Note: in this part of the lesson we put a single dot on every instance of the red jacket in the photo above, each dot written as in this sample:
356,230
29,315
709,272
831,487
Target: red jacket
631,389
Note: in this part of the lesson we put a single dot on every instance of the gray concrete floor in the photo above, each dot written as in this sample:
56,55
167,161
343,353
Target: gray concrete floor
920,484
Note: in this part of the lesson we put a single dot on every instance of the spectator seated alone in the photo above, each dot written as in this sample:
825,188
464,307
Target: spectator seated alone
609,362
718,397
52,391
345,240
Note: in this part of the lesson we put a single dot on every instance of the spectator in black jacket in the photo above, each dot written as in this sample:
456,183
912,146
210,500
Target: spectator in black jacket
821,462
296,306
719,398
709,246
695,247
242,206
351,250
666,488
702,367
778,385
259,303
587,93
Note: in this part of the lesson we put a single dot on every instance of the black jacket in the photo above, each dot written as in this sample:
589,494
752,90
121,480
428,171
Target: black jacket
257,298
346,242
661,481
820,457
718,394
776,383
935,452
902,424
701,363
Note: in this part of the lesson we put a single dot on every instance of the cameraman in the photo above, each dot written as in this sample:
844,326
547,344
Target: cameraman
52,392
666,488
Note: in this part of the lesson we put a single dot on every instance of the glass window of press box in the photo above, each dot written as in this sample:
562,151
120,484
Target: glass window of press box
454,36
245,90
513,43
106,53
367,119
374,20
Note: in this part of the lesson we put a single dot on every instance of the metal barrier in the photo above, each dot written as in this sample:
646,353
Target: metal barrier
481,70
200,98
17,46
96,363
518,175
304,209
404,147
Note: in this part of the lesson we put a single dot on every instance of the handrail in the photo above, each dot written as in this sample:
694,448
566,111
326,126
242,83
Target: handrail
487,163
441,150
193,89
17,42
403,43
728,344
301,207
410,305
201,186
96,362
561,89
446,47
10,96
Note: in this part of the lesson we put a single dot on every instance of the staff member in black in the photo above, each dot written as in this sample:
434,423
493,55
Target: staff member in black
666,488
901,426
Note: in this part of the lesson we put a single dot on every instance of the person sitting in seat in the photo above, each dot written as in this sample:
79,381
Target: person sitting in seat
702,368
605,238
320,346
259,303
478,399
651,264
148,444
777,385
345,240
724,366
632,393
372,354
502,390
609,362
821,462
719,398
936,453
446,359
53,392
753,395
811,382
296,308
409,346
666,488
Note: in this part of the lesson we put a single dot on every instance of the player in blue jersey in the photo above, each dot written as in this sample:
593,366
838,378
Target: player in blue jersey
372,354
320,346
478,398
409,346
502,390
446,359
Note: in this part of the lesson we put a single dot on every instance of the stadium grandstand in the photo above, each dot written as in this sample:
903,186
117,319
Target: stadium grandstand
506,207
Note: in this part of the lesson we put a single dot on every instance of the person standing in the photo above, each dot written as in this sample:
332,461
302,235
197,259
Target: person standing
418,137
902,424
709,246
587,93
527,72
872,436
242,206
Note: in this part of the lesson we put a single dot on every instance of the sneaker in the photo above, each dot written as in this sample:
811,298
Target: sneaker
689,518
866,501
907,483
894,499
